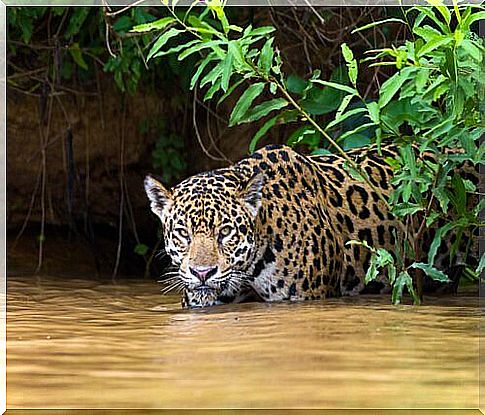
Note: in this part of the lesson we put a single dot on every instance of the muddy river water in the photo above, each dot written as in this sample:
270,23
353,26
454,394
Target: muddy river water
85,343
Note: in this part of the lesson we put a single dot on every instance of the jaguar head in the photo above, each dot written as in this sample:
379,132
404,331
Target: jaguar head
209,223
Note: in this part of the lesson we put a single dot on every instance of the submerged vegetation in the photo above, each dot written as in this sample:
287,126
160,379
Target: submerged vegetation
431,103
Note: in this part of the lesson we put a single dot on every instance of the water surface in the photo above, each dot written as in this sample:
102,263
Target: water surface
85,343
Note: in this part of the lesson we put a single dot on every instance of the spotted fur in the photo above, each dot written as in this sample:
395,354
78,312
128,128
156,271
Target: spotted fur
275,226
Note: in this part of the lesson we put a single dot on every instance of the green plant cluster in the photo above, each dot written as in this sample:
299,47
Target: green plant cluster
431,105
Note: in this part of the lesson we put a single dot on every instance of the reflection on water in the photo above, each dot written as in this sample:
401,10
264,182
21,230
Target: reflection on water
76,343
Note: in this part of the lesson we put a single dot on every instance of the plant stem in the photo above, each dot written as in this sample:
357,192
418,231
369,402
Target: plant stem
331,141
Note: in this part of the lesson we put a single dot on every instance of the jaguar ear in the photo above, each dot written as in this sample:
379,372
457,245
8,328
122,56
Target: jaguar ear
252,193
160,198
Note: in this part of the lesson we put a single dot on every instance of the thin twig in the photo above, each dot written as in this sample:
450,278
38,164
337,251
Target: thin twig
122,190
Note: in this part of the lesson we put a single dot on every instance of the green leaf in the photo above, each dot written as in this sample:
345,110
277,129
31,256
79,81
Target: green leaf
266,56
372,271
431,271
295,84
198,47
304,135
77,56
438,238
356,141
212,75
261,110
356,130
175,49
230,90
373,108
209,58
403,209
458,195
351,63
162,40
321,152
431,218
434,44
472,49
335,85
374,24
260,31
427,11
78,17
141,249
213,89
392,85
156,25
226,71
471,19
245,102
261,132
343,105
443,197
123,24
402,281
343,117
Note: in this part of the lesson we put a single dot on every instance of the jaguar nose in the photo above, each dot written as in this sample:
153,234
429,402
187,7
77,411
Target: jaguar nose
203,273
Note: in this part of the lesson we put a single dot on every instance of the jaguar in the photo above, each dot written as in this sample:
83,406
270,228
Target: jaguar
275,226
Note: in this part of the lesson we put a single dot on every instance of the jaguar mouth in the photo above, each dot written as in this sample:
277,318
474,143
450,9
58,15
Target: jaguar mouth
204,288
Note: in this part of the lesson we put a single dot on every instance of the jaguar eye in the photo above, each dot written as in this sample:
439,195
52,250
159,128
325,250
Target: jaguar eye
225,231
183,233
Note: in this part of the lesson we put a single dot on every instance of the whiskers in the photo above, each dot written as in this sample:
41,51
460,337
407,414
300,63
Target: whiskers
233,281
172,280
176,285
161,254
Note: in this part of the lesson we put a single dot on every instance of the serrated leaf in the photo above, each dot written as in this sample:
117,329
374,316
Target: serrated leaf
244,102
